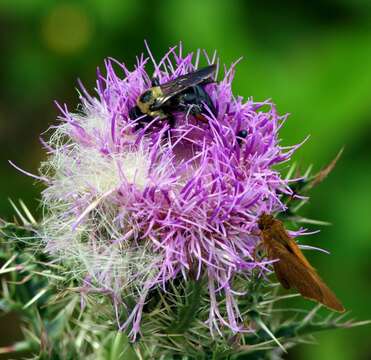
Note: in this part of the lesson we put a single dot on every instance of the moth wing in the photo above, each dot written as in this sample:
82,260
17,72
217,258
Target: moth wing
328,297
280,236
292,272
181,83
292,246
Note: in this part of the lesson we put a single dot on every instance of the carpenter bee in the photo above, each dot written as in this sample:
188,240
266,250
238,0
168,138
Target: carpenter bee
184,94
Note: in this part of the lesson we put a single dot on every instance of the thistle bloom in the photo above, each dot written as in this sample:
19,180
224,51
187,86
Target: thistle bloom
130,210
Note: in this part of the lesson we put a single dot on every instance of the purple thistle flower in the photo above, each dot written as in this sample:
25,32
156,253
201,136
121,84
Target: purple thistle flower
130,210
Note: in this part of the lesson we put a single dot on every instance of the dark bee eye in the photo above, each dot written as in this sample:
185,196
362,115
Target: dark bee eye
146,96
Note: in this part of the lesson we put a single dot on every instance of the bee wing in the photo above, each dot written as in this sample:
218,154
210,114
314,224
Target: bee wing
291,271
183,82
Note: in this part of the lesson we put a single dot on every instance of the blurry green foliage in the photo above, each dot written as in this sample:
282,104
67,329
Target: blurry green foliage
312,58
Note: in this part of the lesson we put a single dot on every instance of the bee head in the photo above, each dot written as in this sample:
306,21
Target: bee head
148,99
265,221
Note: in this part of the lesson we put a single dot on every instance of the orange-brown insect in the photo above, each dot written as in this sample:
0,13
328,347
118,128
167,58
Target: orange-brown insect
292,268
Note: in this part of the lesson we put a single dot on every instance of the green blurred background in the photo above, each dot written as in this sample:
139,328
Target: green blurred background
312,58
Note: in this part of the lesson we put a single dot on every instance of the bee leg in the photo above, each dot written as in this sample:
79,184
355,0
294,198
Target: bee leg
143,122
190,110
190,102
171,120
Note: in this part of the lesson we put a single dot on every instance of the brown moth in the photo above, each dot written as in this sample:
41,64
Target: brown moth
292,268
